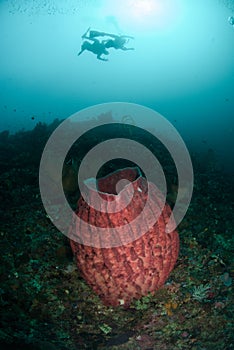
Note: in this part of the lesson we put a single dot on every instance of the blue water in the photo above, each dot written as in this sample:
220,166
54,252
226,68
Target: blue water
182,65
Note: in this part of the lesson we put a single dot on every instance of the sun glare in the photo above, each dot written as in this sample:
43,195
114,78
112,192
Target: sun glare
144,8
141,14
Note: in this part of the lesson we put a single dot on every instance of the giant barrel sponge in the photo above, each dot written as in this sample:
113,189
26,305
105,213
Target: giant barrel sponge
122,272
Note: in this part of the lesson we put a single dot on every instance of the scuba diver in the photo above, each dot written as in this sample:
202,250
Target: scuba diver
95,46
118,42
100,47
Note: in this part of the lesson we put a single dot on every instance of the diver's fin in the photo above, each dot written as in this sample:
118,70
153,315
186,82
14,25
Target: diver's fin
84,35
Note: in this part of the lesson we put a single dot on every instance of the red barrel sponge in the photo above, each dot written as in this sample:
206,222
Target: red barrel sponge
124,266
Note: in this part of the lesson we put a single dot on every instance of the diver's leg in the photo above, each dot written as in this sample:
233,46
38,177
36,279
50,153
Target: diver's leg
127,48
118,36
101,59
95,33
111,35
127,36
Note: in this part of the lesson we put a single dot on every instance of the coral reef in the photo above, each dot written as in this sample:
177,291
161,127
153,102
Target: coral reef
44,302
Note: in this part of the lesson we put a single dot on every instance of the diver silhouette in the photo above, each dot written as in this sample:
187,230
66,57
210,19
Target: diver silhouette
94,45
99,48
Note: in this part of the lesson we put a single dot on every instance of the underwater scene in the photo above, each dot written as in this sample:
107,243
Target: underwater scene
116,174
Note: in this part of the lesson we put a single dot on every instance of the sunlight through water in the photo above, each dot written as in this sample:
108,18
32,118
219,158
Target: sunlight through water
141,14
